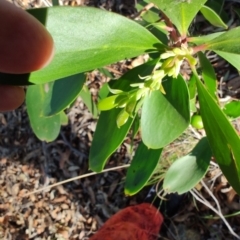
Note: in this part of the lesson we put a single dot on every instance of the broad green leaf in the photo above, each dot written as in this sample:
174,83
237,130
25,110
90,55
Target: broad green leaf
226,42
218,7
61,93
193,108
203,39
108,137
104,91
135,126
86,97
222,137
141,169
88,38
213,17
192,88
233,58
232,109
227,46
187,171
208,75
165,117
63,118
180,12
45,128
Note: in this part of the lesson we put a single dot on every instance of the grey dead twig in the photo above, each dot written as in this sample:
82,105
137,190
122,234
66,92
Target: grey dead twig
199,197
74,178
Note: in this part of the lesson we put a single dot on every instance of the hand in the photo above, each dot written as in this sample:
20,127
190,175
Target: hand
25,46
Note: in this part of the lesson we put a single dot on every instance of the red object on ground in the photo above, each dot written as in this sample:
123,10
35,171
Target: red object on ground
140,222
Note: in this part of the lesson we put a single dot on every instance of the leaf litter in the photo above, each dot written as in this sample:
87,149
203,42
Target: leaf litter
77,209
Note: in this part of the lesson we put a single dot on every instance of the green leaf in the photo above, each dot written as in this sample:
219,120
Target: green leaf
135,126
83,42
204,39
218,7
192,87
186,172
193,108
45,128
141,169
227,46
232,58
232,109
226,42
180,12
108,137
86,97
213,17
63,118
104,91
222,137
61,93
165,117
208,75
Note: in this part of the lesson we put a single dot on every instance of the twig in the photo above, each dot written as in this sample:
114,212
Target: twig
201,199
75,178
145,9
211,194
213,180
196,134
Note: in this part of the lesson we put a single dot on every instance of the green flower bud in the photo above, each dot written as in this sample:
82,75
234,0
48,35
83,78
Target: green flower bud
122,100
122,118
167,54
107,103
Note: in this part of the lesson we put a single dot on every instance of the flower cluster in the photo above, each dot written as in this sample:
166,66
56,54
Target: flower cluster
174,58
131,101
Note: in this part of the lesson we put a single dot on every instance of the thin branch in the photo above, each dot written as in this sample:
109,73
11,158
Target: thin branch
201,199
75,178
212,196
196,134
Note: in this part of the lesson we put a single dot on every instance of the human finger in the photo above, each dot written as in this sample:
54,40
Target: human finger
11,97
25,44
